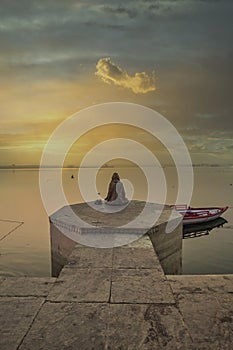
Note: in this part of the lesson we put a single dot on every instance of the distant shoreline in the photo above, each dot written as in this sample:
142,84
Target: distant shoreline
25,167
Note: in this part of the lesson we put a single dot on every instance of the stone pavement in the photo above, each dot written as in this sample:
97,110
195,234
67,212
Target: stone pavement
118,298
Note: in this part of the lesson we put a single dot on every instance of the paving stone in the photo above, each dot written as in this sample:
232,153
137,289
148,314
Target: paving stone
146,327
82,285
112,216
68,326
16,316
140,286
26,286
2,279
142,242
210,325
225,301
143,258
86,257
210,345
201,284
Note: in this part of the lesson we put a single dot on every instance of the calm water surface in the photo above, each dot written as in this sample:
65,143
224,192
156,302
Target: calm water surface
26,250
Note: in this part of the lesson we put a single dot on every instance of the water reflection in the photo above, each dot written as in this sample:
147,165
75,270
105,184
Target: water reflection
202,229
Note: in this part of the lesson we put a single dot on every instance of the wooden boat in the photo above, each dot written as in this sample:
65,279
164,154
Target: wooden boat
199,215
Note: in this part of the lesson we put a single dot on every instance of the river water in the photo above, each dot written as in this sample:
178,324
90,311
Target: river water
24,226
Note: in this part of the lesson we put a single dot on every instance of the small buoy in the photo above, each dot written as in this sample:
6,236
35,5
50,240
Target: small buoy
72,176
230,184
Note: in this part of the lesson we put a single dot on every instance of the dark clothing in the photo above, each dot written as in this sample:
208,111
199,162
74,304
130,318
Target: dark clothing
112,194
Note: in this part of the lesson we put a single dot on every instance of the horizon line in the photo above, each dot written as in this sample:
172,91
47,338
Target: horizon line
30,166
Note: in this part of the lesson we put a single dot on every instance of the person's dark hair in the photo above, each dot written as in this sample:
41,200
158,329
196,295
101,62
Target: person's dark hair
115,177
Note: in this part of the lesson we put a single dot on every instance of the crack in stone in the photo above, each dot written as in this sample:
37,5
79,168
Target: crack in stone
30,326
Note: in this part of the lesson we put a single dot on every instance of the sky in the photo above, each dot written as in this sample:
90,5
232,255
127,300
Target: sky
58,57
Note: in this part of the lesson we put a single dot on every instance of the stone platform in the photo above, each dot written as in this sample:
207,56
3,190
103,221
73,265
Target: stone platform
117,298
106,226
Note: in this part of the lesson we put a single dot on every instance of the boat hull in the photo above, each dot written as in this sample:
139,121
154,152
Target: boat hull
199,215
202,228
189,221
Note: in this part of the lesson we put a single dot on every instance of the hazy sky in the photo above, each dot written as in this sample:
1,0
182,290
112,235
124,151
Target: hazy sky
59,56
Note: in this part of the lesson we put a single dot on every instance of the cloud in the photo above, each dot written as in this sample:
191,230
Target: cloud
121,10
110,73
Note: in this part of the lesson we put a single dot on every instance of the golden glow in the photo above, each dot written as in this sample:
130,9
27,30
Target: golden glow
100,134
31,112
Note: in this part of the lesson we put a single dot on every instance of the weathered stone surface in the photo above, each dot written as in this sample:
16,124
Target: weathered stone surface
225,301
142,242
210,325
201,284
168,246
140,286
16,316
118,298
82,285
87,257
2,279
114,216
68,326
61,248
172,264
143,258
26,286
166,243
107,230
146,327
141,312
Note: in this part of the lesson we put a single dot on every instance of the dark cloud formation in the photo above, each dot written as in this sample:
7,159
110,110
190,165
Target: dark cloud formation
119,10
